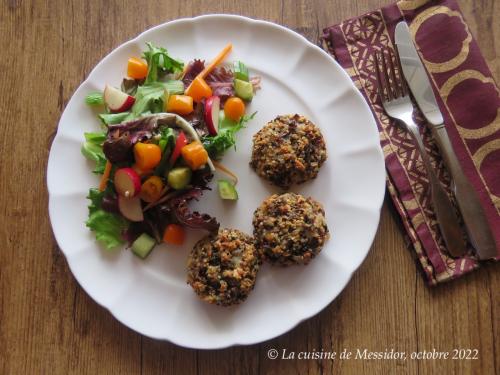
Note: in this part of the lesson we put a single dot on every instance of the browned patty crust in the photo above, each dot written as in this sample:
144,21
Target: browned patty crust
288,150
289,229
222,267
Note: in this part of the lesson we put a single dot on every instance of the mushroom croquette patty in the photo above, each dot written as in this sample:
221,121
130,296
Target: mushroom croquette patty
288,150
222,267
289,229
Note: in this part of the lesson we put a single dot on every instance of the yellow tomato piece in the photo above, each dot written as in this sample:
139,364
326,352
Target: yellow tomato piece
234,108
151,189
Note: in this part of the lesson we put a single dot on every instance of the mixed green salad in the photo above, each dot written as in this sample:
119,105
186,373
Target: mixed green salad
163,134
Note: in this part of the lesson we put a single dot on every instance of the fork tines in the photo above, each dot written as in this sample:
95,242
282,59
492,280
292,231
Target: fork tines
391,84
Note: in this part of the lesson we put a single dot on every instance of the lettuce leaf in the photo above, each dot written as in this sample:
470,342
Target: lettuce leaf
179,206
217,145
146,96
113,118
150,97
159,62
108,227
92,150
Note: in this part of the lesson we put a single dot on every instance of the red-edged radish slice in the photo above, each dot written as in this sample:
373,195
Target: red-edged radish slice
116,100
127,182
212,109
131,208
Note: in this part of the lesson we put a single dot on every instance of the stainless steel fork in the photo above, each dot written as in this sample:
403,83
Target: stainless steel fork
397,104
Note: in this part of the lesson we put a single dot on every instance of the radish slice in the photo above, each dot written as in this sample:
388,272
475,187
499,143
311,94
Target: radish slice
117,100
212,109
131,208
127,182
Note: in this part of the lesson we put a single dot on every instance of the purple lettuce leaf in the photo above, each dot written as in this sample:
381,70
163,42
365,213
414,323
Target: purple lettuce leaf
180,209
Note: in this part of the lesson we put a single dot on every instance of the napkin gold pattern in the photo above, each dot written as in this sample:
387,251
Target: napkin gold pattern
469,100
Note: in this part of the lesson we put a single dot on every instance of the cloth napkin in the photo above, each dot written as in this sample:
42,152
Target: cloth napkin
470,103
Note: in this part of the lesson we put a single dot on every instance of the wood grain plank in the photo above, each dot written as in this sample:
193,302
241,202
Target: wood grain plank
457,316
389,322
36,296
160,357
494,281
45,324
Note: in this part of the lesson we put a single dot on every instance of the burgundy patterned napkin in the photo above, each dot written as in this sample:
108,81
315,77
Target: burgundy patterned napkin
470,103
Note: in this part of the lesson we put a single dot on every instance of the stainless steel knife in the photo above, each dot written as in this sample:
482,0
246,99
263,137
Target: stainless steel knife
473,214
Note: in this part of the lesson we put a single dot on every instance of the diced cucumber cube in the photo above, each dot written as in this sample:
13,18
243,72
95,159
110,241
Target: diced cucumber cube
179,178
227,190
143,245
243,89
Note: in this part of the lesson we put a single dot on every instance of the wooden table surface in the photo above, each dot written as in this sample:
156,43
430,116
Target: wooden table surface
48,324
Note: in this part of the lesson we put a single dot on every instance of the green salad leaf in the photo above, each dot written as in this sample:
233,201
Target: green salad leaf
159,61
108,227
113,118
150,97
95,196
167,138
167,144
92,150
147,98
94,98
217,145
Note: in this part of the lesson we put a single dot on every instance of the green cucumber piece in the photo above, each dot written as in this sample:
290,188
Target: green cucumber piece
240,71
179,178
243,89
143,245
162,168
227,190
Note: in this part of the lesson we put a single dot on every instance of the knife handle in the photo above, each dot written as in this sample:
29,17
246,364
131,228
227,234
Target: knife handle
473,213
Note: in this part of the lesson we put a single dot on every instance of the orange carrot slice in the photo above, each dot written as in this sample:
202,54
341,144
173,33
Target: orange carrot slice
218,59
105,176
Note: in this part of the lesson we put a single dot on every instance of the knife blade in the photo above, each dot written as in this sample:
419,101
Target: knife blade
473,214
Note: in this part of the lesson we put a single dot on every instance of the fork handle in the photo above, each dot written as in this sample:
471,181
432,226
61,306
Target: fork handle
445,212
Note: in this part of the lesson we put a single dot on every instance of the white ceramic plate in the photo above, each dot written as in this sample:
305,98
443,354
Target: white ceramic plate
152,296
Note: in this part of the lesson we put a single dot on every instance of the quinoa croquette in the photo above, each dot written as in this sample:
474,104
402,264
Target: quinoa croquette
222,267
289,229
288,150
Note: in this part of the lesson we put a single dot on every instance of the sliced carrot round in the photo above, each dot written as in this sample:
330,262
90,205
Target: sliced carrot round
174,234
